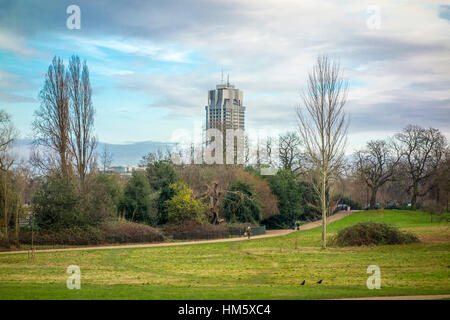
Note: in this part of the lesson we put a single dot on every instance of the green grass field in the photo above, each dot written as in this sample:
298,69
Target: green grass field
271,268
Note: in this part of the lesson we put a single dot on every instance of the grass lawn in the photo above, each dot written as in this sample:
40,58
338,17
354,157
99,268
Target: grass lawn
271,268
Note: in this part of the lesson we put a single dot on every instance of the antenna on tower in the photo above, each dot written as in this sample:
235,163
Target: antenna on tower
221,79
228,79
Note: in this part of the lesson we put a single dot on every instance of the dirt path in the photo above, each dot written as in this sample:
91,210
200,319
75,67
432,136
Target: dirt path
330,219
269,234
422,297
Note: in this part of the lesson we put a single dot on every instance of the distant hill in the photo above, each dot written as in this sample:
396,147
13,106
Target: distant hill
123,154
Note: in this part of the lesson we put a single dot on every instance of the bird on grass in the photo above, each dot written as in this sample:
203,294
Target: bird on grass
303,283
319,282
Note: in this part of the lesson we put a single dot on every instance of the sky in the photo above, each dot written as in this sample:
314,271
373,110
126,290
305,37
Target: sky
152,63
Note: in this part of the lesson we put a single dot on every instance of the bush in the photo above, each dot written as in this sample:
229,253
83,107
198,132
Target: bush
195,230
57,204
98,201
111,185
294,201
120,232
127,232
161,174
241,205
267,200
68,236
136,200
183,207
371,233
60,204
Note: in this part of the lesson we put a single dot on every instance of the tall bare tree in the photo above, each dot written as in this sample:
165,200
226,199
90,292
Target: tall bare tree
8,134
422,151
82,141
270,145
289,151
323,128
376,165
106,158
21,180
52,120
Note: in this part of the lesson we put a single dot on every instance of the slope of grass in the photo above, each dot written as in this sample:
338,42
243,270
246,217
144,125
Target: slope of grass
270,268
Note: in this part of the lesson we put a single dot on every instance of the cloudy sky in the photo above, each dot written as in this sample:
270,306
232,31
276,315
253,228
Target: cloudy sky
152,62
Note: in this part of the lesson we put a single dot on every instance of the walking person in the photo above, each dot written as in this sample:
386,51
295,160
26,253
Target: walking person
298,224
249,231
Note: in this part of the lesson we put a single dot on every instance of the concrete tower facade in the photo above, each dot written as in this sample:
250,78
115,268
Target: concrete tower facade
226,113
225,109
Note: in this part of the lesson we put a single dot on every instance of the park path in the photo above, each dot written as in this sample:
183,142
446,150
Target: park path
337,216
269,234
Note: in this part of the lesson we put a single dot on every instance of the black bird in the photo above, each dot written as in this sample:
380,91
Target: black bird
319,282
303,283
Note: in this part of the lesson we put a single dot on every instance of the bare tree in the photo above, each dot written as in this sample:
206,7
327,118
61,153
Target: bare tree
21,181
156,156
106,158
213,196
246,150
52,120
323,128
422,151
82,141
8,134
376,165
289,151
269,150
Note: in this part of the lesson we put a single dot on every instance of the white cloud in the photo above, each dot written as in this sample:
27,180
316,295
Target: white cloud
16,44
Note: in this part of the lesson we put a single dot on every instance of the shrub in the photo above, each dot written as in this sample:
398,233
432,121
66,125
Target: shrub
241,205
371,233
68,236
136,200
161,174
196,230
126,232
294,201
98,201
60,204
116,232
112,186
57,204
183,207
267,200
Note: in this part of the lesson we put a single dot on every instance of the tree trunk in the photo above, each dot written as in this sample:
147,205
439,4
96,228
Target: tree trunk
5,206
324,212
414,197
17,225
373,197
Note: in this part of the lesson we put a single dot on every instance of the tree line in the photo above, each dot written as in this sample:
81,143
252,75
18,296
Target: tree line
64,185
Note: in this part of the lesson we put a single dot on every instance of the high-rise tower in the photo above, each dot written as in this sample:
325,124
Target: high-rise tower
225,109
226,113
